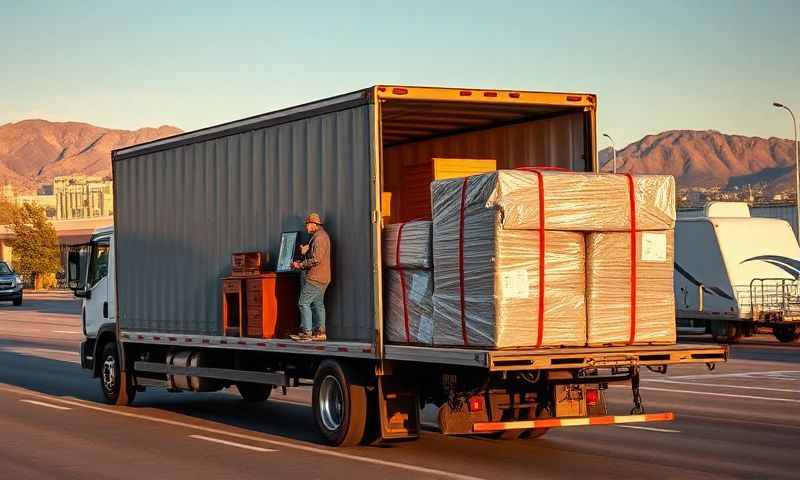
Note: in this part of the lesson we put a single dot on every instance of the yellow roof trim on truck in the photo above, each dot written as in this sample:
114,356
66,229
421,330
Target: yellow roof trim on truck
511,97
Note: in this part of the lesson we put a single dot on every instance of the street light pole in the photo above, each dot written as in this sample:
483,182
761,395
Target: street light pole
796,162
613,152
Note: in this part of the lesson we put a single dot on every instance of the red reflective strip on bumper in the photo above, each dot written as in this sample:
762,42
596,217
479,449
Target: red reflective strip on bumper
573,422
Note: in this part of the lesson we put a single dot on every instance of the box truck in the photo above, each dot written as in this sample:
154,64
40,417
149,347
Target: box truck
151,283
735,273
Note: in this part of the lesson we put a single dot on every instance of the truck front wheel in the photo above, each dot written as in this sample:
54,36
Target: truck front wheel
339,402
116,384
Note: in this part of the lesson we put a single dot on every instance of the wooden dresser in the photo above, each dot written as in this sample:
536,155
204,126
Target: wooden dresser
271,300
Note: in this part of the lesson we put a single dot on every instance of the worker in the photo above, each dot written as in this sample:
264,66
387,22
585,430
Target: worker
317,267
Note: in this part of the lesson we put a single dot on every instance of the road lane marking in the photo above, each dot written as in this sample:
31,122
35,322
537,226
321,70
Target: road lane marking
48,405
775,375
716,394
329,451
232,444
66,331
650,429
770,389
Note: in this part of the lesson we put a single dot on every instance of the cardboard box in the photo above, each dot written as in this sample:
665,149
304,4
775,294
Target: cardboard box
608,288
409,306
575,201
416,193
498,272
416,245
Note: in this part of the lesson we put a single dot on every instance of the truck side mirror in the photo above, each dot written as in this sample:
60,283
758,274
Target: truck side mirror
76,272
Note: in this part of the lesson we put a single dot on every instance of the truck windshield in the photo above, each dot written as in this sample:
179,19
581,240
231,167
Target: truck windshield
4,269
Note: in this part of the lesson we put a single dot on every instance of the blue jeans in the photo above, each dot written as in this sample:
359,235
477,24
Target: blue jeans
312,307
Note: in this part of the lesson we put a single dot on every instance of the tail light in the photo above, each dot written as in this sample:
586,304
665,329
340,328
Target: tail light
592,397
475,403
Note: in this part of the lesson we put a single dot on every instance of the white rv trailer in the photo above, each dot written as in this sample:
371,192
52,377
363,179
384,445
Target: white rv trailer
734,273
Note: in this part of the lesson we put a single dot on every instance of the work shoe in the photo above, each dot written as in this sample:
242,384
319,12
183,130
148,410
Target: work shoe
302,336
319,336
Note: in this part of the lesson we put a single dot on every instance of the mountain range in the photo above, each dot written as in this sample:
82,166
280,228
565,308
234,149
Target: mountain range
707,158
33,152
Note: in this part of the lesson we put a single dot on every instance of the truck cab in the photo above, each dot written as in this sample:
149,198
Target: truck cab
91,278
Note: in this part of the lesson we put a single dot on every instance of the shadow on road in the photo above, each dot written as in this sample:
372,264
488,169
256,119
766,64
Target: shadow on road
66,379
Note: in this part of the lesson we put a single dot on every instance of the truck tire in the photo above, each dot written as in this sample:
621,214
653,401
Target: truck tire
118,389
18,301
725,332
786,333
339,401
254,392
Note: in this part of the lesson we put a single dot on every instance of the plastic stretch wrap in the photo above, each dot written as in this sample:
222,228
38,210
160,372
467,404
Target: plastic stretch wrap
501,276
576,201
608,289
418,306
415,245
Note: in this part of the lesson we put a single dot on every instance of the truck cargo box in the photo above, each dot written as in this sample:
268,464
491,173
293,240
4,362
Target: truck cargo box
185,203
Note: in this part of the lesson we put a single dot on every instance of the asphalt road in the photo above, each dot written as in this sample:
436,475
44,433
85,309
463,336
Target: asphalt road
741,420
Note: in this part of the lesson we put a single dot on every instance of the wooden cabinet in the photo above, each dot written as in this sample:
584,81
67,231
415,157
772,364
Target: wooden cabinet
233,306
272,304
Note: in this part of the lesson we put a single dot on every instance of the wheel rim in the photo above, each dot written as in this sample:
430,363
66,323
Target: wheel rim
331,403
109,373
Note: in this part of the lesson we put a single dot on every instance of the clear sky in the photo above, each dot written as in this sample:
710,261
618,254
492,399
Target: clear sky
655,65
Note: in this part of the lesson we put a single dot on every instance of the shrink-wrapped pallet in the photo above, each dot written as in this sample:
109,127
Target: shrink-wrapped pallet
409,309
609,296
576,201
487,278
414,247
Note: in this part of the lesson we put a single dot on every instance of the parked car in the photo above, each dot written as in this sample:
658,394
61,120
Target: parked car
10,285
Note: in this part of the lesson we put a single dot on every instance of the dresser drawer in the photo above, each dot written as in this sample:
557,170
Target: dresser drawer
254,299
253,285
232,286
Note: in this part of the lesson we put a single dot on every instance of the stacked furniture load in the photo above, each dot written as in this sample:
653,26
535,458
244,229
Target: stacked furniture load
512,268
408,282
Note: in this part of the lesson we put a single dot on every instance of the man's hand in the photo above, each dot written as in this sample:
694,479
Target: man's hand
303,249
296,266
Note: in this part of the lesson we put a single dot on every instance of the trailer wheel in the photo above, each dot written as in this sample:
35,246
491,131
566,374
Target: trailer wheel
725,332
339,401
118,389
254,392
786,333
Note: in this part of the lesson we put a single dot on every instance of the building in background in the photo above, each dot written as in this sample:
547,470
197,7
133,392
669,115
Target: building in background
48,202
81,196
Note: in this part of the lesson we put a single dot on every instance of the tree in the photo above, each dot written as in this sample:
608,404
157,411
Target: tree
7,212
35,244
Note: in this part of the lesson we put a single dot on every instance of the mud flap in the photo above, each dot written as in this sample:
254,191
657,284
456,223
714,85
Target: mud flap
398,408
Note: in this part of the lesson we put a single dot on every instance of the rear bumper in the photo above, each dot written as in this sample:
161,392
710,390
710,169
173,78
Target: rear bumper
485,427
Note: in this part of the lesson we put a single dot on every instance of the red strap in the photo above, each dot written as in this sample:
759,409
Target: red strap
540,329
632,196
402,280
462,215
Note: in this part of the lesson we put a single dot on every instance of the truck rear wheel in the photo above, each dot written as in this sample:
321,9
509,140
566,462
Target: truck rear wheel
339,401
254,392
786,333
118,389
